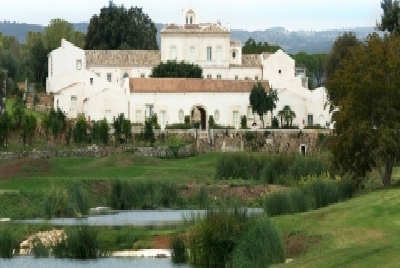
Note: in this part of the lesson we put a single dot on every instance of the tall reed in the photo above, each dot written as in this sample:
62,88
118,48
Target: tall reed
214,237
79,243
260,246
179,251
6,245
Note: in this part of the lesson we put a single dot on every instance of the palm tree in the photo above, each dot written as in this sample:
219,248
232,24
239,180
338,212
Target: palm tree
287,114
281,115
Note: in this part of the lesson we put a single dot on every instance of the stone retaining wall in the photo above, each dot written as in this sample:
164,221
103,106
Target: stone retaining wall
90,152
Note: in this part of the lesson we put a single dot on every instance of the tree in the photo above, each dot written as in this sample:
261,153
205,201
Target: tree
37,61
80,130
5,128
55,123
148,134
29,124
122,129
314,64
56,30
272,99
368,121
175,69
340,51
117,27
259,100
390,18
18,112
251,47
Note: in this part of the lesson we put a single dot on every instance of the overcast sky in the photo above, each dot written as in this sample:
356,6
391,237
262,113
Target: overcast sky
241,14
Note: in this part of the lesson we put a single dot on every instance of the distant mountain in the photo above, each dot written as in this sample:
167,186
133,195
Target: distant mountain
292,41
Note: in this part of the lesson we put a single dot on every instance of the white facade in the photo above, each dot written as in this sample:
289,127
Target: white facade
95,84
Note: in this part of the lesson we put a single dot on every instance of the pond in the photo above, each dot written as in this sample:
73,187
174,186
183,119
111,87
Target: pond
29,261
131,218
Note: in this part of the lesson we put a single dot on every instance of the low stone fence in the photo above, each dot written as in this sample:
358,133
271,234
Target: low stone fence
164,151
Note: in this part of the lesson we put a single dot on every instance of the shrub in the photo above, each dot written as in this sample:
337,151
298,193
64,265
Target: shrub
179,252
309,165
211,121
79,199
260,246
214,237
278,203
6,244
179,126
300,201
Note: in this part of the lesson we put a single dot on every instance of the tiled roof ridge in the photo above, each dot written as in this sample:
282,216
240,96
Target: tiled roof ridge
188,85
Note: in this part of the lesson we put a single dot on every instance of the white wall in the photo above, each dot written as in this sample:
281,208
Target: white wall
64,59
279,69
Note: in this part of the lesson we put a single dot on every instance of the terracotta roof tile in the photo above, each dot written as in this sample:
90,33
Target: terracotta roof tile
184,85
123,57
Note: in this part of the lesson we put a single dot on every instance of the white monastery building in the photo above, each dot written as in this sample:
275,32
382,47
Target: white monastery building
101,84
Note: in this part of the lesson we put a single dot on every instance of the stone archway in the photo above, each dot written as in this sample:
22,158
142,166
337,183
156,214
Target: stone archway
199,115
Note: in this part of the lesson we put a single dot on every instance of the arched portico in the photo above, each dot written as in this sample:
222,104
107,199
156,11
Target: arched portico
202,116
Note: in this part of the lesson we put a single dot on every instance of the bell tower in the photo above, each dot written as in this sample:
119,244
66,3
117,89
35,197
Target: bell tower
190,16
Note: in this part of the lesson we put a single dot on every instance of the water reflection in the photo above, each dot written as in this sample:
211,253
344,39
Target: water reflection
132,218
25,262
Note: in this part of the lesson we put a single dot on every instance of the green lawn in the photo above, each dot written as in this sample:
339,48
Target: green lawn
362,232
9,105
123,166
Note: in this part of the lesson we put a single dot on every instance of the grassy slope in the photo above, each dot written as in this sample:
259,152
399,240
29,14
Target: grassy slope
362,232
124,166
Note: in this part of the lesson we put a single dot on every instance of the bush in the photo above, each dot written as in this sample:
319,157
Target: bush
6,245
179,252
179,126
214,237
260,246
309,165
278,203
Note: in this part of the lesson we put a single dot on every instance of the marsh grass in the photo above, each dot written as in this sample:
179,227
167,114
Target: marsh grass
80,243
317,193
260,246
179,250
271,167
39,249
144,195
6,245
214,236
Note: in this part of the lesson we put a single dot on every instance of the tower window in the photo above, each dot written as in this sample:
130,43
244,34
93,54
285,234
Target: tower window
234,55
191,20
280,71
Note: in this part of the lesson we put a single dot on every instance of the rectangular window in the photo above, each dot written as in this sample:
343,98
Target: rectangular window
138,116
142,76
219,54
236,77
209,53
149,110
78,64
250,113
218,76
191,20
108,116
163,118
172,54
256,78
109,77
236,119
209,76
91,81
310,120
192,55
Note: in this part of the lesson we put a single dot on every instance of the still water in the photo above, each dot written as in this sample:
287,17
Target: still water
28,262
131,218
